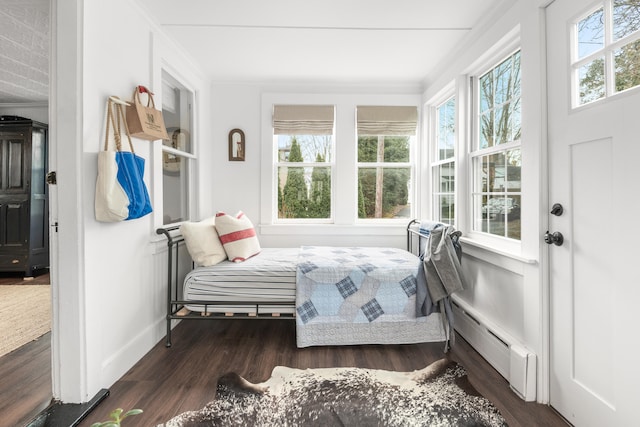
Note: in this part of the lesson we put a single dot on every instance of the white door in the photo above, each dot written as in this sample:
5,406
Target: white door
594,173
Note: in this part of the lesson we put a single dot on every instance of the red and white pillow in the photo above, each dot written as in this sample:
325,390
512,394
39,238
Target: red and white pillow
237,235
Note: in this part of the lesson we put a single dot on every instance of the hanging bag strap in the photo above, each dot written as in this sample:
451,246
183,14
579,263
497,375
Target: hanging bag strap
111,125
121,119
143,89
115,119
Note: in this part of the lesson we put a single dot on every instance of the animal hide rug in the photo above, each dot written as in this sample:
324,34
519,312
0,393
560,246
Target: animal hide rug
438,395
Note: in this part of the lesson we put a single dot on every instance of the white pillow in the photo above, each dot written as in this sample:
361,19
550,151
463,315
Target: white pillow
203,242
237,236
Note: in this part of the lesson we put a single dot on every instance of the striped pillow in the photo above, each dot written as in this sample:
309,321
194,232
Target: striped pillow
237,235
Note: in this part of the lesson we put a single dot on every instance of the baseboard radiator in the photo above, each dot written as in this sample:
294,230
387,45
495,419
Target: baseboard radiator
510,358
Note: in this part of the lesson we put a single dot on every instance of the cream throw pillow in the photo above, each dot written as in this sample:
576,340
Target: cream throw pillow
203,242
237,236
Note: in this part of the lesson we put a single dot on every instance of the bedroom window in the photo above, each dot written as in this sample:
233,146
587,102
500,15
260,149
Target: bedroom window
303,138
443,165
178,154
496,158
605,51
386,136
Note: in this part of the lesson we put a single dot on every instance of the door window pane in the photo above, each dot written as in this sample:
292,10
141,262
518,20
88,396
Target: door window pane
625,18
591,33
591,77
627,66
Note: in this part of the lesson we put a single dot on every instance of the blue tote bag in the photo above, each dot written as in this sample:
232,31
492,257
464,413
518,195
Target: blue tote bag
121,193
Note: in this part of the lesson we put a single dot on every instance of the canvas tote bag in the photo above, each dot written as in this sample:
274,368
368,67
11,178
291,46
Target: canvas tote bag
145,121
121,193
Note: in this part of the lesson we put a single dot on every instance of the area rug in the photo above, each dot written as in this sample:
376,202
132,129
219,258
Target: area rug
438,395
25,315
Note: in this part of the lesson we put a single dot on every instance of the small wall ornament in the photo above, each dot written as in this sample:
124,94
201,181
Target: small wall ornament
236,145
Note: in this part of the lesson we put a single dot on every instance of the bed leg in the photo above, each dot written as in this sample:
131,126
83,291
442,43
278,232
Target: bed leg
168,342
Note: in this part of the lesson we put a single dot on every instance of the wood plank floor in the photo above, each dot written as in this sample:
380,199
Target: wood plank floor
25,385
25,388
167,382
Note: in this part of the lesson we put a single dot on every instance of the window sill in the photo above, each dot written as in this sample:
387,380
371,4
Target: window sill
496,256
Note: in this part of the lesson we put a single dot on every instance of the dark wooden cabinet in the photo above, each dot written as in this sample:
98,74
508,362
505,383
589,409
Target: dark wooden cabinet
24,207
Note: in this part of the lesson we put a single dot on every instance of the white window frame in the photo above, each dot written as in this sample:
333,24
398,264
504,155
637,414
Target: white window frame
506,244
433,160
159,149
332,167
344,197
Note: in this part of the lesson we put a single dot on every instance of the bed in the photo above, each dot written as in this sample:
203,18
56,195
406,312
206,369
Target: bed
336,295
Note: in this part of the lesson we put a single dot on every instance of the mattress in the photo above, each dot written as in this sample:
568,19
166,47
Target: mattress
269,276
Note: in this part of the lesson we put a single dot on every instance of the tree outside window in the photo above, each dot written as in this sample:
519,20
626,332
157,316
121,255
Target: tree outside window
497,159
385,138
607,63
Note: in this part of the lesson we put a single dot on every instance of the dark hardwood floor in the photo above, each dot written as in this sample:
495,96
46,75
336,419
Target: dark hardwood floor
25,373
169,381
25,382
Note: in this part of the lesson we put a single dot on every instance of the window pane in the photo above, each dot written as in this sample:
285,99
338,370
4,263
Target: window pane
514,171
499,118
591,33
304,192
177,110
492,172
389,149
310,148
446,130
444,179
591,77
626,17
500,215
446,208
384,192
627,66
175,190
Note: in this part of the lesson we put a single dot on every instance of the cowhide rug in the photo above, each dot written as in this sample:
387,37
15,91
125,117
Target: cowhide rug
438,395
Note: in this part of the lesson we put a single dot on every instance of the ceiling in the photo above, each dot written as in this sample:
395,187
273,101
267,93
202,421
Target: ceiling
24,51
366,42
321,41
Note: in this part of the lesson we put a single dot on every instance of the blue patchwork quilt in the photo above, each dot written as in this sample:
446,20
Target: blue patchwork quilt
355,285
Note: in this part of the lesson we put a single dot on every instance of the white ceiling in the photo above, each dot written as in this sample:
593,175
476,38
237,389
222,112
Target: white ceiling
320,41
277,41
24,51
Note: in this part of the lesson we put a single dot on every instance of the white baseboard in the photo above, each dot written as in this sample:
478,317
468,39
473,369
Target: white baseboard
507,355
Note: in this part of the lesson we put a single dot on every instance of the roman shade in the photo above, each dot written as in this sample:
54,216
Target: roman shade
303,119
387,120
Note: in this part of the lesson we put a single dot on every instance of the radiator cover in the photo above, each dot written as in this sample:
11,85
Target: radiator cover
508,356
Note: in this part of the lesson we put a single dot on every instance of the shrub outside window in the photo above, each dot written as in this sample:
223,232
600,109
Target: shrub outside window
303,137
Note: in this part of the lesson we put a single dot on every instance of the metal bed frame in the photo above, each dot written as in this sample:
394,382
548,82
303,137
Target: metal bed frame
176,304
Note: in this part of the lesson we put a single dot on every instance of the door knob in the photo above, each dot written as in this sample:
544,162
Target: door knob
554,238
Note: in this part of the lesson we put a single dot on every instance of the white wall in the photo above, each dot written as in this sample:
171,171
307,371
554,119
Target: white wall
240,185
120,283
510,291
